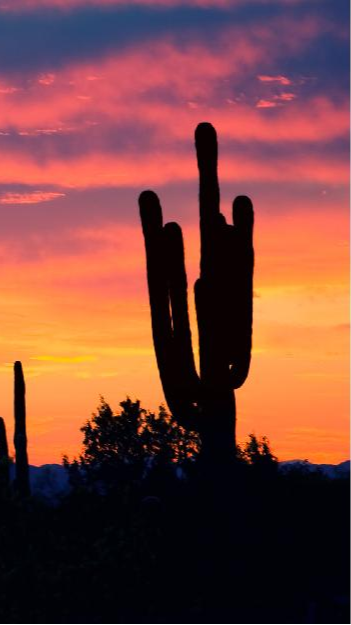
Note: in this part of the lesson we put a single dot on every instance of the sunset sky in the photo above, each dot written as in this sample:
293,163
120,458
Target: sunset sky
98,101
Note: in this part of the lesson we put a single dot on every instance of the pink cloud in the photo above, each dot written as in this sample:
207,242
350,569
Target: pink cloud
8,90
277,100
315,119
285,97
34,197
18,5
46,79
186,73
165,91
170,89
282,80
265,104
108,170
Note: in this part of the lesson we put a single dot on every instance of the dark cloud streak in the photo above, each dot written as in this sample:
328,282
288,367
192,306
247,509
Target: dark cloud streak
44,40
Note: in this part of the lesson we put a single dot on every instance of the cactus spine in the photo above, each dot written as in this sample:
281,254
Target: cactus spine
223,297
20,438
4,458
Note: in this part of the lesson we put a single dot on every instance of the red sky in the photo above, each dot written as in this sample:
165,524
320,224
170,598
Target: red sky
98,102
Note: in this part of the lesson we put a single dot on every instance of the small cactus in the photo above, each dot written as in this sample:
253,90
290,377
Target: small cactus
4,458
223,296
20,437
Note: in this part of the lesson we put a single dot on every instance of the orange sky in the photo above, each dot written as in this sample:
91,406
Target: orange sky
78,337
84,131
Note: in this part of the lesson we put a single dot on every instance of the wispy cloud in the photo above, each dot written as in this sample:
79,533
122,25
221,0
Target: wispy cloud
73,4
316,433
282,80
8,90
285,97
74,128
105,170
266,104
276,100
34,197
46,79
64,359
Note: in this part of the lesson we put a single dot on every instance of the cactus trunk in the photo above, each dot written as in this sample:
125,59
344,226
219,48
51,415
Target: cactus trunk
20,438
223,297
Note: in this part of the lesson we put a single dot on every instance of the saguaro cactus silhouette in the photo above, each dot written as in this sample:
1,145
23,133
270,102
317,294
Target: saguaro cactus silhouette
4,458
20,438
223,297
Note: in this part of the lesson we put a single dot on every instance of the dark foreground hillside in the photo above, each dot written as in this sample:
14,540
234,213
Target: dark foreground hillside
254,547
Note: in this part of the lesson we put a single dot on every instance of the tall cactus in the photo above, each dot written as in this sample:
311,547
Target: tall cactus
4,458
20,438
223,297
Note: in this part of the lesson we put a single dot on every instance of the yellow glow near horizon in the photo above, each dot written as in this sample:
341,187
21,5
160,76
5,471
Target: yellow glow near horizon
100,342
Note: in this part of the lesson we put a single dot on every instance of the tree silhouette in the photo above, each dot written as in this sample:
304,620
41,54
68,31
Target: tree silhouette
258,454
123,446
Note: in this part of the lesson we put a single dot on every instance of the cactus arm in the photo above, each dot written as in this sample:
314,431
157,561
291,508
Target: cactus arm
152,223
169,309
183,350
20,437
243,219
186,383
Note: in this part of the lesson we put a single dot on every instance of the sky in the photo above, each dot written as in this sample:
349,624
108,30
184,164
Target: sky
99,100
